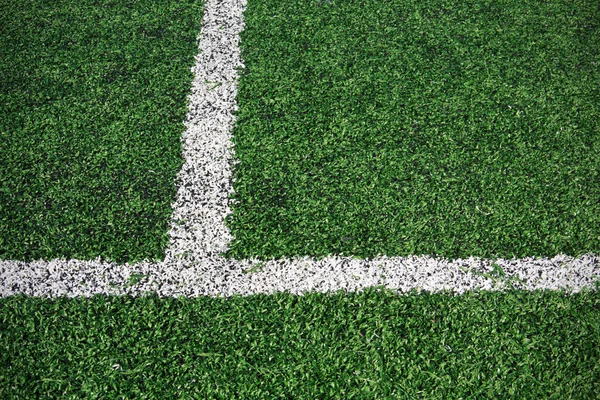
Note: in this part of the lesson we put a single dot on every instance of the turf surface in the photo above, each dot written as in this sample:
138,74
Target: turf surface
427,127
374,345
92,96
66,120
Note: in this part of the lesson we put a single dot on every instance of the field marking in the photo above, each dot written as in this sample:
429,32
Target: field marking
192,265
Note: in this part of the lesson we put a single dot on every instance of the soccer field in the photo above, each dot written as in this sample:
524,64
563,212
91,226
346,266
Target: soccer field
380,145
447,153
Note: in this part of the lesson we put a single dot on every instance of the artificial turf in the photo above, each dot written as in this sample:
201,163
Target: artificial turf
93,96
429,127
369,345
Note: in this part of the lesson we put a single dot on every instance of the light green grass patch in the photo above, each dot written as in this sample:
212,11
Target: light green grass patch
93,96
373,344
434,127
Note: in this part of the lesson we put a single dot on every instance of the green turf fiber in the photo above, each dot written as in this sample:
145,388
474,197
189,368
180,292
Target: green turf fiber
371,345
402,127
93,95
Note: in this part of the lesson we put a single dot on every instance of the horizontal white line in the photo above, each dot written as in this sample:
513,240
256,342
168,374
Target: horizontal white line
192,265
215,276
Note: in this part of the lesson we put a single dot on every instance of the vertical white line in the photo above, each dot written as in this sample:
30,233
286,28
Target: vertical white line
198,227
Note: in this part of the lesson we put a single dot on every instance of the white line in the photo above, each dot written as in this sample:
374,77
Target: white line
192,265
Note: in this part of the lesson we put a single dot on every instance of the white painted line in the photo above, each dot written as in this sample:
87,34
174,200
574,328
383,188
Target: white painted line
193,267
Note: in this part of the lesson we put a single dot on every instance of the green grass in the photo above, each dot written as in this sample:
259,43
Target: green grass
427,127
92,96
404,128
370,345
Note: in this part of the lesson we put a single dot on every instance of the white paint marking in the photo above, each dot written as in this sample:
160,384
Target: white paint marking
192,265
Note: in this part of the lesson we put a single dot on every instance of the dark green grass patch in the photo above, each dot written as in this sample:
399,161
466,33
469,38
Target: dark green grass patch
93,95
374,345
432,127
